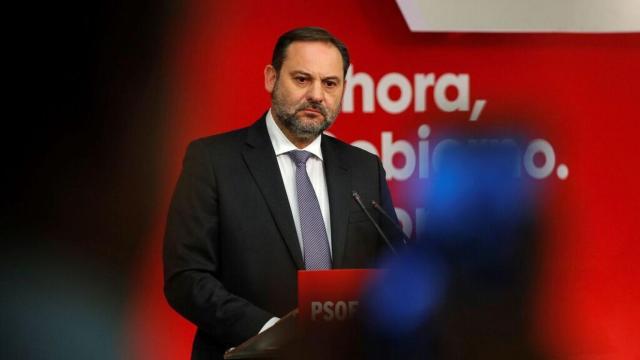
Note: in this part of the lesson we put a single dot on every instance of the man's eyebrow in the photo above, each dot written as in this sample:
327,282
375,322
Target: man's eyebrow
332,77
300,72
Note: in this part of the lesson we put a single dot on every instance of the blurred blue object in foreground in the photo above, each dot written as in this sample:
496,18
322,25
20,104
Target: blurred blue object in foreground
462,290
406,294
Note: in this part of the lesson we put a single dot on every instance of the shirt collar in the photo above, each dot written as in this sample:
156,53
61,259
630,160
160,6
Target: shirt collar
282,145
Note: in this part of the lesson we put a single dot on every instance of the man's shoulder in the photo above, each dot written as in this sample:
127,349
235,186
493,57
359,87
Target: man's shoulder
227,145
349,151
255,132
225,139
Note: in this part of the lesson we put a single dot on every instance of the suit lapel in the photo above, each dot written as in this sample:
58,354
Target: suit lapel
339,188
261,160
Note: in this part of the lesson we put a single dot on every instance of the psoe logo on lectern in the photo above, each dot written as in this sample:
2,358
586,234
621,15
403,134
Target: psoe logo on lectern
333,311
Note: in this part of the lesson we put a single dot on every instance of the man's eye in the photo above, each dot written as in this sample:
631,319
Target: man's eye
301,79
330,83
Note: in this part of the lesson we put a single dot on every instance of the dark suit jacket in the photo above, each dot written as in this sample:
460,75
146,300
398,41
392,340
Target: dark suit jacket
231,253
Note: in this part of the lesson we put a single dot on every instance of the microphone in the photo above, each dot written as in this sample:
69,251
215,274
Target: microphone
405,238
356,197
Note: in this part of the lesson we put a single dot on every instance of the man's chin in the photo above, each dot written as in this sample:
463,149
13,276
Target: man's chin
311,122
306,127
305,131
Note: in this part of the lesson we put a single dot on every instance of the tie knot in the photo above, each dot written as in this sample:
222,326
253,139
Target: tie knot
299,157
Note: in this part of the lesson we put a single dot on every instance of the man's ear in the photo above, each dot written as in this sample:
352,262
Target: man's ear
270,77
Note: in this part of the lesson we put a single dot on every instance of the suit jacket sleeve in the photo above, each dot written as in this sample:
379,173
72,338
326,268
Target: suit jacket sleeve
191,257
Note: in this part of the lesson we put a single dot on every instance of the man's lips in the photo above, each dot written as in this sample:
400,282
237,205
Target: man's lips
312,111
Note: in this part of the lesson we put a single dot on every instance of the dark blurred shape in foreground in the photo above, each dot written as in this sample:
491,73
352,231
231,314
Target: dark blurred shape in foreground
464,290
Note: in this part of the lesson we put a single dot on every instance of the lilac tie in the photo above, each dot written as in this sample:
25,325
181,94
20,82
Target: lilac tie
315,242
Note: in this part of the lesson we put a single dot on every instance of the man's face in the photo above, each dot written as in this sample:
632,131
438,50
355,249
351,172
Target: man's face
306,95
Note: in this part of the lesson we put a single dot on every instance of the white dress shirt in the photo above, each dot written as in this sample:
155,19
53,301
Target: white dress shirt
315,169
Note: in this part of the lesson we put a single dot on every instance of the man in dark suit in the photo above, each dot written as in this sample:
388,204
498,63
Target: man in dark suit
254,206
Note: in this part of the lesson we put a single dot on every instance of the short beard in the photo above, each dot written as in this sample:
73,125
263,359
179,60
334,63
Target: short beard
303,131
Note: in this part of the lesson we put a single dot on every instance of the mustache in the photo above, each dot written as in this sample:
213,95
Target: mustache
315,106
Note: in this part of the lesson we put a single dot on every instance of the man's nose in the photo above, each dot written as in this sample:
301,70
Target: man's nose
314,93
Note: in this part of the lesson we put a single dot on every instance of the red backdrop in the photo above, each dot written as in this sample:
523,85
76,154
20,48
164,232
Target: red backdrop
577,92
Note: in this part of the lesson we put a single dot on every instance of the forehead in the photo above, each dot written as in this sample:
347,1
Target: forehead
315,57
